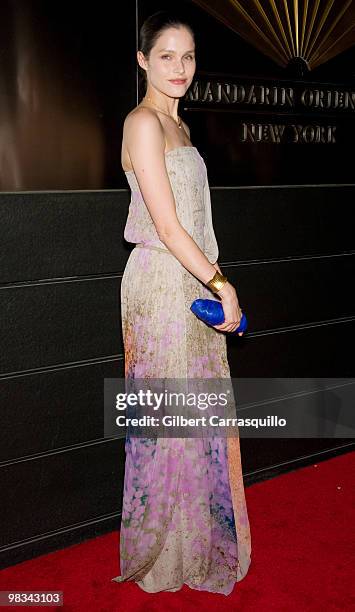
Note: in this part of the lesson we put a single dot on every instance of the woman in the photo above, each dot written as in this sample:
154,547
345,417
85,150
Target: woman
184,517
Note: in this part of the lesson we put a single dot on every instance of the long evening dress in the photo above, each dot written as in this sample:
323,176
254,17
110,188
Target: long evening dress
184,515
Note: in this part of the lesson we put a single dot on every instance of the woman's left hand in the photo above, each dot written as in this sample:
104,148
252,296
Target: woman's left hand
216,266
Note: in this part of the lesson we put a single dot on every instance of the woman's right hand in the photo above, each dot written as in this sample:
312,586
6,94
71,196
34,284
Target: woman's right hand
231,309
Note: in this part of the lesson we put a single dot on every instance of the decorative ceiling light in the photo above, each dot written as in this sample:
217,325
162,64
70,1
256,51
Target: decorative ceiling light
298,33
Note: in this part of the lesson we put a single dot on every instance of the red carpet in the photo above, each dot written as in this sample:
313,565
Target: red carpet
302,526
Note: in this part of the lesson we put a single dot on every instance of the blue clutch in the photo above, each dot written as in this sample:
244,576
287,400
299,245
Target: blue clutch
211,312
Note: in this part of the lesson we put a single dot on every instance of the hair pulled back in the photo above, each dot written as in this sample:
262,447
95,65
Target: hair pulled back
150,31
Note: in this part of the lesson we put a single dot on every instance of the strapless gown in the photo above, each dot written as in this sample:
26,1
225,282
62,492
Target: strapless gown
184,515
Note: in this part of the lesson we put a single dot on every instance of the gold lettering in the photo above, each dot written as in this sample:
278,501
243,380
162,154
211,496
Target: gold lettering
258,132
324,134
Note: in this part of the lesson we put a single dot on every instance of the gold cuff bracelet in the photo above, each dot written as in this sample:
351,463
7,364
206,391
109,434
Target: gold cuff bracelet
217,282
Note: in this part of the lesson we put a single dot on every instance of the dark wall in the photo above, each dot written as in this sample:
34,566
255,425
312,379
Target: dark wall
288,250
62,260
67,79
61,118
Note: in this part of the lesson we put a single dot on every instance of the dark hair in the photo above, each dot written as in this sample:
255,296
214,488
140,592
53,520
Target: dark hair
150,31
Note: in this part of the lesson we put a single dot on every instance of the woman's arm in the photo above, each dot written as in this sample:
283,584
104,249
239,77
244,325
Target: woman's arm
187,130
145,143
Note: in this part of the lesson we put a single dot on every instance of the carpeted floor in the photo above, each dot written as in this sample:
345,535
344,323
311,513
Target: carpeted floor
302,526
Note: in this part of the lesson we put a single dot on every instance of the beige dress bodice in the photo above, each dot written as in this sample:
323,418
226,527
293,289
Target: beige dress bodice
189,182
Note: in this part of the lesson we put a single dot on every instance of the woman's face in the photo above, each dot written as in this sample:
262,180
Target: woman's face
171,64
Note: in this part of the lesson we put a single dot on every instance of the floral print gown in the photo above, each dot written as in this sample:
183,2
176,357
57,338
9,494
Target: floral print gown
184,515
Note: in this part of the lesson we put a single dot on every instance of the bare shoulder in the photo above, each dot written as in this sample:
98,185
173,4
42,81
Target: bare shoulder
139,111
142,130
141,118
